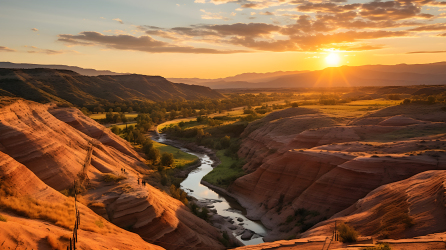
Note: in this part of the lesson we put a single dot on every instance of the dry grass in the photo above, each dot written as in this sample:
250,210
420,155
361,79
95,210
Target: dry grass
99,223
54,243
113,178
57,213
127,189
3,218
347,233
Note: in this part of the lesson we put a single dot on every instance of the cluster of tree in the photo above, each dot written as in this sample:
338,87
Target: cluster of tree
394,97
201,214
144,122
332,99
178,194
131,134
171,109
426,99
218,137
111,117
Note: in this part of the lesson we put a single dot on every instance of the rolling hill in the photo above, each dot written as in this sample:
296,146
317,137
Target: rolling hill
46,85
79,70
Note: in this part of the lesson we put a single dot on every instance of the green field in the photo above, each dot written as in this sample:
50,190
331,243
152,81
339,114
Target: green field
102,116
181,158
122,126
225,173
352,110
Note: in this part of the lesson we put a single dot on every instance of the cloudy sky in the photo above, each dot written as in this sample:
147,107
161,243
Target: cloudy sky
218,38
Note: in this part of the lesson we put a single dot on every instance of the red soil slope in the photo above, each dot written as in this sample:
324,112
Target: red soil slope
24,233
55,152
323,169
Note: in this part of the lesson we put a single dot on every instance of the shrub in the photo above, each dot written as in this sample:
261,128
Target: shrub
204,214
153,154
116,130
406,101
347,233
178,194
113,178
225,141
2,218
164,180
167,159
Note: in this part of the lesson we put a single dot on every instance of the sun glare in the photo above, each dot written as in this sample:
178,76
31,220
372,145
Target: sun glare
333,59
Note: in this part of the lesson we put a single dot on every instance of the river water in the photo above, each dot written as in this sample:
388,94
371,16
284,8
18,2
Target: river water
227,207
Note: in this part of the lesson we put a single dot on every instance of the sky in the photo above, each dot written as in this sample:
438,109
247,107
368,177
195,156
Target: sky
219,38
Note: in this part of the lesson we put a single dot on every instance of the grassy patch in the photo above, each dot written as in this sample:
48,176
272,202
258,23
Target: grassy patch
113,178
59,214
102,116
227,172
354,109
181,158
3,218
122,126
99,223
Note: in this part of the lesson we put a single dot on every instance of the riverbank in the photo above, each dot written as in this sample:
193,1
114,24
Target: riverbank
224,212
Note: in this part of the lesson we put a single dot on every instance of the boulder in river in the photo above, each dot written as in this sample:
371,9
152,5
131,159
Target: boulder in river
247,234
240,219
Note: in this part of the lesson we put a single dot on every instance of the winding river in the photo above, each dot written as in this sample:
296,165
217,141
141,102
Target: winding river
227,207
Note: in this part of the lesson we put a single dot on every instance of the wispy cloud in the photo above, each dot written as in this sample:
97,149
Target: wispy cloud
118,20
298,25
6,49
424,52
34,29
36,50
128,42
210,15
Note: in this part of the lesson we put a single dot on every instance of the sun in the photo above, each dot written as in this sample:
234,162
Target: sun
333,59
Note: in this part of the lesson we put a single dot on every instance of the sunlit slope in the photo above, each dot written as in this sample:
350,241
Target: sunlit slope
53,143
304,165
44,85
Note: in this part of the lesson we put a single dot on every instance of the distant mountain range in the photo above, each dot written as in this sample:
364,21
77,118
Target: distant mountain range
368,75
79,70
45,85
